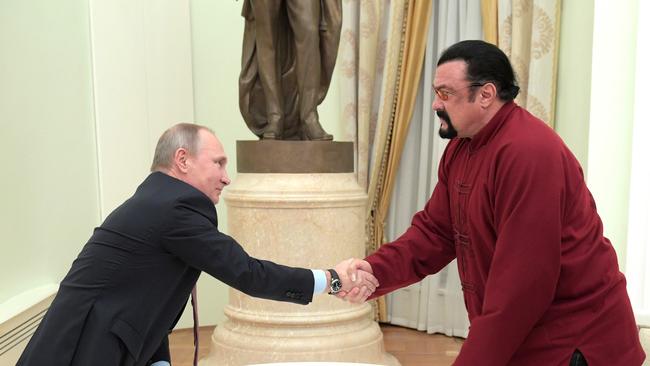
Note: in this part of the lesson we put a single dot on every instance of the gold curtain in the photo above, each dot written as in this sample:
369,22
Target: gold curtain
528,32
369,59
415,31
489,16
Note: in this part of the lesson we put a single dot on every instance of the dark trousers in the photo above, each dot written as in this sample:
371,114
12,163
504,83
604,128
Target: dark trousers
577,359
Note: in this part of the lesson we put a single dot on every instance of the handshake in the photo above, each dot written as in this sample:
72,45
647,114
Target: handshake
357,282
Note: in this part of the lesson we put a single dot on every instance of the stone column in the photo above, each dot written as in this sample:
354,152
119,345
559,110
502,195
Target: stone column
297,203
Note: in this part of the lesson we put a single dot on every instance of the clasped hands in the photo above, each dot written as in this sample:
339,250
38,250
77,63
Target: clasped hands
357,280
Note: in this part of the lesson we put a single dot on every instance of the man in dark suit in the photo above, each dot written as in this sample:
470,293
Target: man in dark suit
133,277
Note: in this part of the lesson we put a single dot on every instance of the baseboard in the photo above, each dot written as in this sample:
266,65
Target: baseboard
19,318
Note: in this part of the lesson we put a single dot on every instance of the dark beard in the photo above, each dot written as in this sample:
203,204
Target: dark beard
450,132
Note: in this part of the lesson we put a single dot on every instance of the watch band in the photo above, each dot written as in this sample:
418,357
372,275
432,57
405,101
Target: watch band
335,282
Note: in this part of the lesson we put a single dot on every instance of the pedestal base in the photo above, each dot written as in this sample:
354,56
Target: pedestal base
349,336
305,220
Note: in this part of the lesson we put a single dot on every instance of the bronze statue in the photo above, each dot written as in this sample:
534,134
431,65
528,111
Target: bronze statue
288,57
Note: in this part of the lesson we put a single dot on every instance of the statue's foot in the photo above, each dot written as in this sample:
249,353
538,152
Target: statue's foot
273,130
312,130
270,135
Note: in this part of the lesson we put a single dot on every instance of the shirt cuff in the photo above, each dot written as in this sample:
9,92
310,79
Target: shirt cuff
320,281
161,363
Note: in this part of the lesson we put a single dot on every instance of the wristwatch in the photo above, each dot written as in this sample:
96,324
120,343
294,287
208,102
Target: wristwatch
335,282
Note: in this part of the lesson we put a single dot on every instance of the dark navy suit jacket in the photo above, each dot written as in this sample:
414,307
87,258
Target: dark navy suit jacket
133,277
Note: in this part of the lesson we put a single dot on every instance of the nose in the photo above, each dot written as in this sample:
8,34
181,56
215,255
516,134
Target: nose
225,179
437,104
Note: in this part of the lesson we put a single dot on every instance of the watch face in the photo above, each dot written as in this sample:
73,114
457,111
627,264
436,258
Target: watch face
335,285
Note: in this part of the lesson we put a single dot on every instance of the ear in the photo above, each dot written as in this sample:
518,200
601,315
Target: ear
180,159
488,95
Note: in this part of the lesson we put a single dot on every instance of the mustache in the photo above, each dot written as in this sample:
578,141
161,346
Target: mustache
443,115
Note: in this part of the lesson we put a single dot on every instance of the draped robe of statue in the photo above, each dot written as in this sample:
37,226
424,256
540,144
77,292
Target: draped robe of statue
288,56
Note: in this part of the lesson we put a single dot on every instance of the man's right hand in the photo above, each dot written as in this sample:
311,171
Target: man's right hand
357,280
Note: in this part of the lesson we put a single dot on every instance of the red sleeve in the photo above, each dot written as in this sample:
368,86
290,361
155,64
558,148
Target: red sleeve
528,202
425,248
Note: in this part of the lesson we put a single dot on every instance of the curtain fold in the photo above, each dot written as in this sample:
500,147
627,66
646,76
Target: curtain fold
413,56
528,32
436,303
490,24
386,102
385,167
371,61
369,57
362,53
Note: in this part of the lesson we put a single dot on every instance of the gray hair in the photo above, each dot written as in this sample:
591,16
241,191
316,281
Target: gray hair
181,135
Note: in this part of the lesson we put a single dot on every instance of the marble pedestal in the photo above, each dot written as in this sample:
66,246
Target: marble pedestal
311,220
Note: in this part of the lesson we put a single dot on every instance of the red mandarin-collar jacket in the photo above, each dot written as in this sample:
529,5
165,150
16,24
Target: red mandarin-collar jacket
539,278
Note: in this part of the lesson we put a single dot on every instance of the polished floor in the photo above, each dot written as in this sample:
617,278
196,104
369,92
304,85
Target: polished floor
410,347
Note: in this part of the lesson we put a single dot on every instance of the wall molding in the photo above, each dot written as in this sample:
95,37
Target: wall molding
19,318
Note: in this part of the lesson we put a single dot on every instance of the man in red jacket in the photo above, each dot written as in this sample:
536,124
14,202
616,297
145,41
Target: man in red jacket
541,283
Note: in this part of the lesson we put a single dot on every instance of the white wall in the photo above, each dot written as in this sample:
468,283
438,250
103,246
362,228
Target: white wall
611,115
142,75
574,77
48,190
596,81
